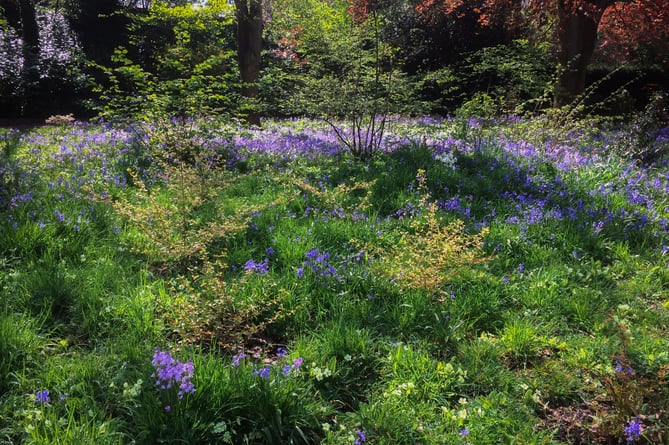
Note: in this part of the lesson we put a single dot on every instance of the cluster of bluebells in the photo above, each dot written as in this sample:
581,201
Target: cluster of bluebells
290,367
622,368
410,210
537,198
93,157
170,372
361,437
287,145
256,267
286,368
262,372
86,162
633,430
336,213
237,359
260,268
42,397
320,264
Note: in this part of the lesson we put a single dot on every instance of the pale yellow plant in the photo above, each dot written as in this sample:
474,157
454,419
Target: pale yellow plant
341,194
204,308
164,222
430,254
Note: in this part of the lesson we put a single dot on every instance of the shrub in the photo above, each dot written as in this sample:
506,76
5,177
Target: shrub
431,254
172,210
647,139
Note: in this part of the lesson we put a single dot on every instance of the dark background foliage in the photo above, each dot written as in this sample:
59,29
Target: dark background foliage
124,57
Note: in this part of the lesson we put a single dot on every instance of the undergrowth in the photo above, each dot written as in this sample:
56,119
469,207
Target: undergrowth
480,282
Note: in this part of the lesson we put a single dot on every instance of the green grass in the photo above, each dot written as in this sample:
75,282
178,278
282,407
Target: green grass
350,331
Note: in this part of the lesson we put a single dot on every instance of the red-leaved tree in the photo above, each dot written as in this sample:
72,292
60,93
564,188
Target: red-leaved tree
627,26
576,26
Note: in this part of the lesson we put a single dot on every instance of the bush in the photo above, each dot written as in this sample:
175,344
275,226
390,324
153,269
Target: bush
647,138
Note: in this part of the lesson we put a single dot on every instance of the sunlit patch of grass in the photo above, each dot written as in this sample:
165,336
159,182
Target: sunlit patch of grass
20,345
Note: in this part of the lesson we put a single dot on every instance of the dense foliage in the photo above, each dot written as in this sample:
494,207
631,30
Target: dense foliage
193,58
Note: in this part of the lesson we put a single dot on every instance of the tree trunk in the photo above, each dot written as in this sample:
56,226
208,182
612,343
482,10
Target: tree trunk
577,39
30,50
249,45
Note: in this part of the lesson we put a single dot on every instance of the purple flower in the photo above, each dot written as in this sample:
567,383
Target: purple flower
464,432
286,370
597,227
297,363
317,262
281,352
237,358
162,359
59,215
185,387
170,371
623,368
362,436
633,430
260,268
42,396
521,268
262,372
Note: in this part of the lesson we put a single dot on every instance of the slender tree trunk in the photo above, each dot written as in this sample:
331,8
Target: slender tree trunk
577,39
249,45
31,50
22,16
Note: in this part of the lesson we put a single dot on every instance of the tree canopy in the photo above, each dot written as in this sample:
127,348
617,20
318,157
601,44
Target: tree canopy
252,58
